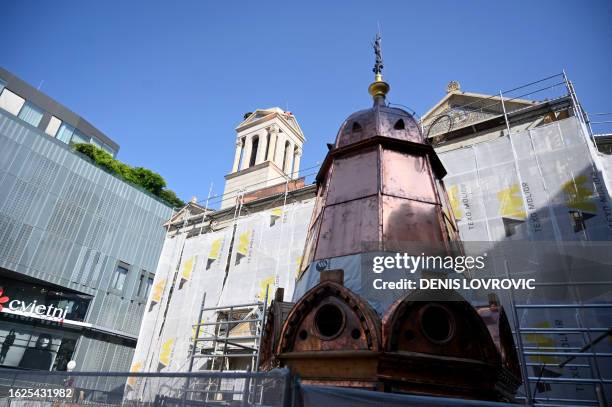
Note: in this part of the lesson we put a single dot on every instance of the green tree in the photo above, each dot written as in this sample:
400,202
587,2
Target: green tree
170,197
142,177
149,180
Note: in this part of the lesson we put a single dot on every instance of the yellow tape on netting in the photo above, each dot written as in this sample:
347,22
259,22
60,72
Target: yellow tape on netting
511,203
158,290
266,283
244,241
215,249
579,195
166,353
187,268
453,197
135,368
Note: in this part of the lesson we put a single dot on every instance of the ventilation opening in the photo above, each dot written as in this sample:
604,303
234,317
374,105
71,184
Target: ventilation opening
399,125
329,321
303,335
356,127
437,324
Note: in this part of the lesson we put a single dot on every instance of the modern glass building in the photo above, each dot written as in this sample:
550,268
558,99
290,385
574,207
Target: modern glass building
78,246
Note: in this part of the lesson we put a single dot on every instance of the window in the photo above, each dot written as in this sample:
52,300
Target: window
108,149
78,137
53,126
286,157
65,133
241,159
267,136
118,280
254,147
95,142
30,113
144,285
2,85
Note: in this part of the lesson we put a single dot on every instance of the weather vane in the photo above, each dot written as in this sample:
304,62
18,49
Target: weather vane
378,66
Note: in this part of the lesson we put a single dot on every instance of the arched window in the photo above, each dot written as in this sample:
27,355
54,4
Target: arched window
241,159
265,157
254,147
293,159
285,156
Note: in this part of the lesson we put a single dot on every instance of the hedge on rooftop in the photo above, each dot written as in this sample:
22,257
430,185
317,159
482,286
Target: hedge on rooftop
142,177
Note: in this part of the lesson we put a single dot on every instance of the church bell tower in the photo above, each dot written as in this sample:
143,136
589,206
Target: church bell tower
268,151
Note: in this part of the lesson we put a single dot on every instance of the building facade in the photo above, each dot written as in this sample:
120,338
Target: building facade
517,170
527,175
235,257
78,246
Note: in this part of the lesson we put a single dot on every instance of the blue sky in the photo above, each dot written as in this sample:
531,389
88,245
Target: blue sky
170,80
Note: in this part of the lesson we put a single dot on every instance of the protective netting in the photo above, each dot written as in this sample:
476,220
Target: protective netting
547,184
538,200
263,250
539,184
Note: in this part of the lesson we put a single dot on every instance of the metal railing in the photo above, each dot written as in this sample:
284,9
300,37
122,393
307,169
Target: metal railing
272,388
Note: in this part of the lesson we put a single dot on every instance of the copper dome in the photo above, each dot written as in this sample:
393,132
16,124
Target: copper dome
379,120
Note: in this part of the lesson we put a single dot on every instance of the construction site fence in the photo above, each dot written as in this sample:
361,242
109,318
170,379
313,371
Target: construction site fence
41,388
274,388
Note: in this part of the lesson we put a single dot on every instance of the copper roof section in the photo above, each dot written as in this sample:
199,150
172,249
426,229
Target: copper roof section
380,182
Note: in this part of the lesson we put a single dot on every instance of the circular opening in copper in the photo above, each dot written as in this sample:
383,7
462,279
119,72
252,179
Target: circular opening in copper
329,321
437,324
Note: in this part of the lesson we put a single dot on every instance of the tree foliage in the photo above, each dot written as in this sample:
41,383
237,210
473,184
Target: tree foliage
142,177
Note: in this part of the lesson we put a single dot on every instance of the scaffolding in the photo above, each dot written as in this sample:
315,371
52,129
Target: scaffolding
562,365
229,343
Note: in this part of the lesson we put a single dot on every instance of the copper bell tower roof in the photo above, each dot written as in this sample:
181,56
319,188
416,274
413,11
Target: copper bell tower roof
379,183
380,186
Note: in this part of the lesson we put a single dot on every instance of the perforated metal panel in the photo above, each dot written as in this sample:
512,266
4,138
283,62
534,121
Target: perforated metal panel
68,222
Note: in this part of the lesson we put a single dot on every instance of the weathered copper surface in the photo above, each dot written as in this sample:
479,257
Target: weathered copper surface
497,323
423,347
277,314
465,360
380,182
344,354
379,187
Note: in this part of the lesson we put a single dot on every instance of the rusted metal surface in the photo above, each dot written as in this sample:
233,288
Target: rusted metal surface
277,314
448,349
332,336
499,328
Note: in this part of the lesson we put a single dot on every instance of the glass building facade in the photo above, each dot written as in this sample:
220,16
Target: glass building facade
78,249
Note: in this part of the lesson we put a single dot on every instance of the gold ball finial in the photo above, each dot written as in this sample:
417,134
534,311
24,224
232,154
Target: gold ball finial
378,88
